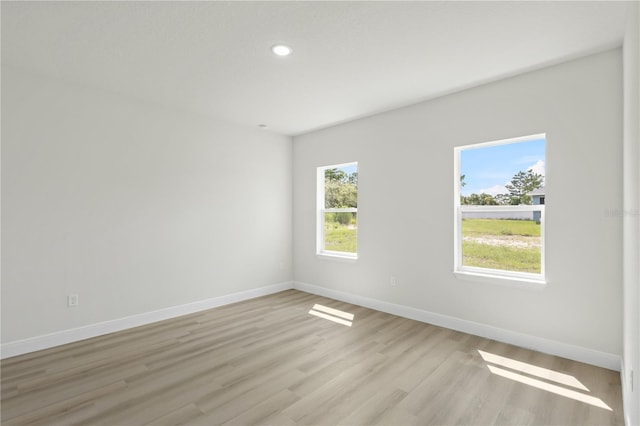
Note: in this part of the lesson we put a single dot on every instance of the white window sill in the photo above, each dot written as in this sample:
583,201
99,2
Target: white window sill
337,257
519,282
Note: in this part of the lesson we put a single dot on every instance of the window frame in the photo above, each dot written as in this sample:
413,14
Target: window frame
530,279
321,211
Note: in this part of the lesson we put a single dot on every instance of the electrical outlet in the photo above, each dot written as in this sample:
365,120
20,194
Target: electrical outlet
72,300
393,281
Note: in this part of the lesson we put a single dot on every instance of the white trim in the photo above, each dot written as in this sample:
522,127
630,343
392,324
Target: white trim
512,277
501,279
625,391
577,353
321,210
345,210
507,141
540,344
499,208
627,395
338,255
33,344
337,166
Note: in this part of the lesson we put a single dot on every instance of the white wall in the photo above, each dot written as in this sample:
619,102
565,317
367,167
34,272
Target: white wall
132,206
631,219
405,209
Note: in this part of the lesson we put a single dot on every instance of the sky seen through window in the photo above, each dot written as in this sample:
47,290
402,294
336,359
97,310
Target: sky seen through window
489,169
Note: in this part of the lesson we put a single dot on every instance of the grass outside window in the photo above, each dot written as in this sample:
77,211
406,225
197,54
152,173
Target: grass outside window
503,244
340,232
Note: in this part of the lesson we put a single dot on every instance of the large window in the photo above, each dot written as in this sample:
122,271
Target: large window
338,210
500,209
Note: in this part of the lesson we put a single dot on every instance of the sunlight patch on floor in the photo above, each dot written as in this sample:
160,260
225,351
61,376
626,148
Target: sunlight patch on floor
331,314
543,373
533,370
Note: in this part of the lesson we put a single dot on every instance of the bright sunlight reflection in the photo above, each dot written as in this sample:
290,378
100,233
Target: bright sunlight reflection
543,373
334,312
331,314
533,370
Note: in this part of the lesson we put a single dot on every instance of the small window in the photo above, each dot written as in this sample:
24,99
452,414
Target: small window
337,221
500,209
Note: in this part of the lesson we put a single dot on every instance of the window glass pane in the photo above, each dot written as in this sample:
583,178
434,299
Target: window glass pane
505,174
340,231
341,187
509,241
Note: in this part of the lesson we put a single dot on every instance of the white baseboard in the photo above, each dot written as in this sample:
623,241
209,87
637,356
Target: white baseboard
628,403
552,347
85,332
625,392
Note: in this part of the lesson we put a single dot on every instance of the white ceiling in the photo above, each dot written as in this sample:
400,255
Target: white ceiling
350,59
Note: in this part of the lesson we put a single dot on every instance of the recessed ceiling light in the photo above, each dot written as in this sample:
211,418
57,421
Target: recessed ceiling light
281,50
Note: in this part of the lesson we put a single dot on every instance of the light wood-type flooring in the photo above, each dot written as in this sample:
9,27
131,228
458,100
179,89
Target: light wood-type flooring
268,361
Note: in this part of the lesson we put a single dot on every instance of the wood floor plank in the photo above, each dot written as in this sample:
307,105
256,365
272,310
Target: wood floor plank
178,417
375,408
42,411
268,361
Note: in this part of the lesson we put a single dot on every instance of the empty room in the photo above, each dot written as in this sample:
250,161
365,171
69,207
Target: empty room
320,213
